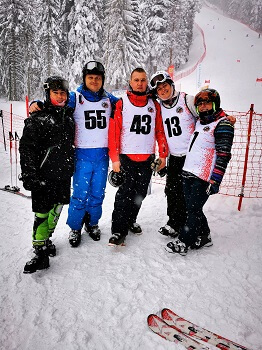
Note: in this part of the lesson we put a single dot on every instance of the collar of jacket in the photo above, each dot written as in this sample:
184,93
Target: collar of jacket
138,101
49,107
89,95
207,119
172,101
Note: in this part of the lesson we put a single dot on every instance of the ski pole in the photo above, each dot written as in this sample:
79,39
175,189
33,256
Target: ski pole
3,127
11,138
16,139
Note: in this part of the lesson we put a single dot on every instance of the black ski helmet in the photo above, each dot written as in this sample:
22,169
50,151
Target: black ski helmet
208,95
55,83
93,67
116,179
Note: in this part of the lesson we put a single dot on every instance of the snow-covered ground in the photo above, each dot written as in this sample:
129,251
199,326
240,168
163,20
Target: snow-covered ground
97,297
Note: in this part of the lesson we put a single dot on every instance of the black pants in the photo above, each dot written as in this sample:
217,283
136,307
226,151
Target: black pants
196,223
131,193
176,207
53,192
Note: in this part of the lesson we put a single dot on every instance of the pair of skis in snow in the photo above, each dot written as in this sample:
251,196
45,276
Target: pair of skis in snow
15,190
10,188
180,331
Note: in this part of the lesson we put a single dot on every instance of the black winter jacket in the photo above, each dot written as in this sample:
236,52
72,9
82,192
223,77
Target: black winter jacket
47,144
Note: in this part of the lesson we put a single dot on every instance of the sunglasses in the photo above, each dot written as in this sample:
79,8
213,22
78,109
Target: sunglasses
203,102
95,65
160,78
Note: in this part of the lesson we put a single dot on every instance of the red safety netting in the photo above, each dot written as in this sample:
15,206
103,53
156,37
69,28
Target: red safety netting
246,161
11,126
243,175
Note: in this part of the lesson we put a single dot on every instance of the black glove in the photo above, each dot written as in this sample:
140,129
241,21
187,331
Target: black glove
212,188
155,165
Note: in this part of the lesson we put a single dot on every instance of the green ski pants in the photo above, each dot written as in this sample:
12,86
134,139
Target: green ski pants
45,224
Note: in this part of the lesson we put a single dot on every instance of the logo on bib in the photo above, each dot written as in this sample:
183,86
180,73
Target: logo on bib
206,128
179,110
105,104
150,110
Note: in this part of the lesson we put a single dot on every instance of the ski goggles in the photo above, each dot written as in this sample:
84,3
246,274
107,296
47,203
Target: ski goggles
96,66
159,78
57,85
202,102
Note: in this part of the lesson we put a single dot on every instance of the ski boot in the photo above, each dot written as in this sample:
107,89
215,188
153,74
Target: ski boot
94,232
51,248
74,238
116,239
39,262
135,228
168,231
202,242
177,247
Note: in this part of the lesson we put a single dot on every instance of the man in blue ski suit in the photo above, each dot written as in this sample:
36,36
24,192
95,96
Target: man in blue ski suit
92,107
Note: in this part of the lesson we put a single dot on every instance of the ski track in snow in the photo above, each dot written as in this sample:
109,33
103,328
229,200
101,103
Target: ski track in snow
98,297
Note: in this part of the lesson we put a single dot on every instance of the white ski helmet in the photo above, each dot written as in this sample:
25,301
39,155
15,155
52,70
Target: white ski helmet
160,77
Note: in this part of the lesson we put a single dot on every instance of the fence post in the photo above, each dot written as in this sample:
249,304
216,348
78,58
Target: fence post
27,106
241,195
10,142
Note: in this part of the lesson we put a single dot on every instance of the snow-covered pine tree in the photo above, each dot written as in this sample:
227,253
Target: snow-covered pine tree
183,15
157,21
32,77
66,6
256,15
49,35
169,28
84,37
123,49
145,38
134,48
13,17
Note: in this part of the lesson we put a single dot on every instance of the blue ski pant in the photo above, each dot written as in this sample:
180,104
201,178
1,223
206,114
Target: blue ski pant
89,183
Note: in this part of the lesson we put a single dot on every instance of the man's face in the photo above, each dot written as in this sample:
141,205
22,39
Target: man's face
164,91
58,97
138,82
93,82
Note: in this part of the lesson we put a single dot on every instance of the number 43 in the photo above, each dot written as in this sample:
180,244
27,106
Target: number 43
141,124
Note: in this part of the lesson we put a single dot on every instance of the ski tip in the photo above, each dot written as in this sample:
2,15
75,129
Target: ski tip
165,313
149,317
153,322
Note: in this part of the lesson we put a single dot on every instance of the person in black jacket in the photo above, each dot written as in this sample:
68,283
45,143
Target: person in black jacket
47,163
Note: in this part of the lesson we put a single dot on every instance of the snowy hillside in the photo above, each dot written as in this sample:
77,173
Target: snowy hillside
97,297
231,64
